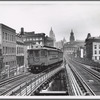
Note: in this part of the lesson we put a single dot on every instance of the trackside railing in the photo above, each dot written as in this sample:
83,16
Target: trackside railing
28,88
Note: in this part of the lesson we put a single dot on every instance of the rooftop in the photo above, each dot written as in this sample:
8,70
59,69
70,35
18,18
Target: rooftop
93,39
74,44
7,27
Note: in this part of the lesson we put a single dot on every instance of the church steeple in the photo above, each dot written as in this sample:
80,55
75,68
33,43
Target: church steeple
52,35
51,32
72,39
51,28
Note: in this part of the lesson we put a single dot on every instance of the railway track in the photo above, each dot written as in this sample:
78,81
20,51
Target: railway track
25,84
7,81
12,79
14,85
80,86
90,77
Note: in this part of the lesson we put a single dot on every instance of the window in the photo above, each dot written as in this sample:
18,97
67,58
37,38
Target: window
37,43
3,50
3,35
42,53
40,38
41,43
95,52
52,53
24,39
36,53
6,63
17,50
36,38
33,39
12,37
30,39
27,39
9,50
8,36
30,52
95,57
95,46
6,51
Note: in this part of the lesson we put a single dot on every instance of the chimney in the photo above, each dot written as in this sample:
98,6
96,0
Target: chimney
22,31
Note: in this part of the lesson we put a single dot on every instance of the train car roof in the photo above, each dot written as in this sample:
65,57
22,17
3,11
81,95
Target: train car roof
37,47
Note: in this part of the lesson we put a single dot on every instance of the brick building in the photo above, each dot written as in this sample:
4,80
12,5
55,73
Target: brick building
8,45
32,38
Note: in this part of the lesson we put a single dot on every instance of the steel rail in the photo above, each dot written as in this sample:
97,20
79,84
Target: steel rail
91,71
8,91
15,88
85,85
37,82
74,85
12,79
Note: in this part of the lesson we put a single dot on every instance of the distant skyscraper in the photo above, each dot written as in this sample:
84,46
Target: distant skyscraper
72,39
52,35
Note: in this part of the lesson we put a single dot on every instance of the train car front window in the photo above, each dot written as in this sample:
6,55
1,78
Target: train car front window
30,53
36,53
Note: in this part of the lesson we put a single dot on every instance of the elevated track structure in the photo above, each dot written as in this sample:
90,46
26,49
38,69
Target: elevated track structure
85,75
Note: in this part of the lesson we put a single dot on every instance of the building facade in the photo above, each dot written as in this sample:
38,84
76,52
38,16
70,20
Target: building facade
49,41
19,50
1,59
93,48
8,44
70,48
31,38
76,48
59,44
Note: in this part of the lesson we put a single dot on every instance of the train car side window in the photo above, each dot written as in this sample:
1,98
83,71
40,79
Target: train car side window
49,53
45,53
42,53
30,53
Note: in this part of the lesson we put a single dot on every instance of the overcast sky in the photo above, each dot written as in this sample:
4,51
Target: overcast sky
83,17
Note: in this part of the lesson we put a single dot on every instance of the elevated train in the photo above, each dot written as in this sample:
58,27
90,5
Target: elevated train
43,57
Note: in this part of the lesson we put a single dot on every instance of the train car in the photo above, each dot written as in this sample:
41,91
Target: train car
42,57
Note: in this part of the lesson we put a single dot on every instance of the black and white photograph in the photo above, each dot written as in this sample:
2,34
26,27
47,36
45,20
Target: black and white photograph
49,48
